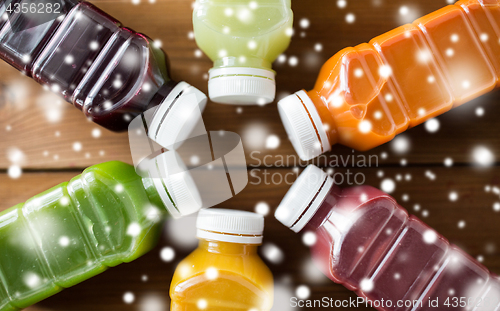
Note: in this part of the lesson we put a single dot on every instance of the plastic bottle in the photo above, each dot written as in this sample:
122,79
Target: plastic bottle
242,38
224,273
366,95
105,216
369,244
111,73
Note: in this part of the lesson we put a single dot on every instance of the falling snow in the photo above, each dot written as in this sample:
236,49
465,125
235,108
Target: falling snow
272,142
152,302
64,241
483,156
262,208
388,185
202,304
448,162
309,238
167,254
272,253
32,280
350,18
479,111
293,61
432,125
96,133
212,273
453,196
128,297
404,10
119,188
77,146
430,236
304,23
401,144
134,229
14,171
303,292
366,285
365,126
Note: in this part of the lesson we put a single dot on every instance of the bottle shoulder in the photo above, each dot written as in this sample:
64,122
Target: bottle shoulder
224,281
115,169
233,266
119,181
246,21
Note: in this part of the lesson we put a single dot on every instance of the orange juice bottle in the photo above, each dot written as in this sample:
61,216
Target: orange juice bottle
366,95
224,273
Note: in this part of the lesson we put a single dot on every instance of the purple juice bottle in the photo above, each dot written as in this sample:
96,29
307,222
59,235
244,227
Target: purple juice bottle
111,73
369,244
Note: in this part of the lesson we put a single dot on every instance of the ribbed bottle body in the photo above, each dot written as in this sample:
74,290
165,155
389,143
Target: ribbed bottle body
368,94
74,231
109,72
369,244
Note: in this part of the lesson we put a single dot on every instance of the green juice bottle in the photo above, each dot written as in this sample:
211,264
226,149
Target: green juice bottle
242,38
106,216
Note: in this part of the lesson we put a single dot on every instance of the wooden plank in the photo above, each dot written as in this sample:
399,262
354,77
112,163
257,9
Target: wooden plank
30,117
474,206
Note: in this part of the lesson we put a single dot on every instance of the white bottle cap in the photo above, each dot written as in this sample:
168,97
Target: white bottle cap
227,225
175,185
304,198
241,86
177,115
303,125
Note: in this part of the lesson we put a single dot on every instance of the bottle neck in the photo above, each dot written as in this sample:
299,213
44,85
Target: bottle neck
153,195
242,61
325,115
227,248
161,94
325,209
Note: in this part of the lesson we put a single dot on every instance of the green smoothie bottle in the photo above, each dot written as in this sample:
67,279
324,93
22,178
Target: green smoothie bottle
105,216
242,38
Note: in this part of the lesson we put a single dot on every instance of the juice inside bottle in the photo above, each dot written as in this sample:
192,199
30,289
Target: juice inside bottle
105,216
369,244
242,38
111,73
366,95
224,273
22,37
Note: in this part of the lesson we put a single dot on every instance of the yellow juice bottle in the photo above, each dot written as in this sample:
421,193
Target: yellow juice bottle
242,38
224,273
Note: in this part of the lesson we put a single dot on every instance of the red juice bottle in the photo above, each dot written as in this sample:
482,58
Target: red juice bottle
369,244
111,73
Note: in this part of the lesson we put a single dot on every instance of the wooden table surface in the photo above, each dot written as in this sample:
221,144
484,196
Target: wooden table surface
39,132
